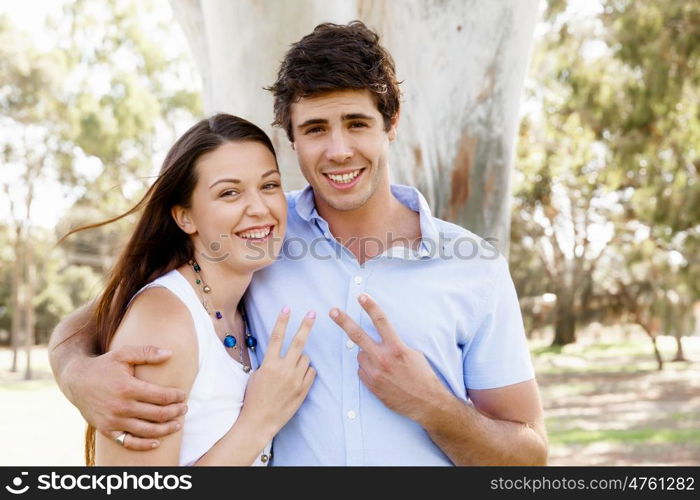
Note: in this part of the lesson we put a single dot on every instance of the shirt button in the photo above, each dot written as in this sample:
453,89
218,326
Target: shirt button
349,344
327,234
264,458
358,280
352,414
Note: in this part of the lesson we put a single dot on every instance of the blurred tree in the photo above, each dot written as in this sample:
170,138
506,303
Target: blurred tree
610,160
104,95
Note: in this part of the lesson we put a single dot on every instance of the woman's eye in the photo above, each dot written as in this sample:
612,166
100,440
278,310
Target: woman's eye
229,192
271,185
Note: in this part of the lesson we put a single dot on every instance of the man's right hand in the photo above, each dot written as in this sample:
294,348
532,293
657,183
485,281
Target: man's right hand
113,400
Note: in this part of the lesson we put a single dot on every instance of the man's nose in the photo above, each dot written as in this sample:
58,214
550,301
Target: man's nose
338,147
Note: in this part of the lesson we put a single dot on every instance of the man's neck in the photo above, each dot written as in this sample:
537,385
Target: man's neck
374,227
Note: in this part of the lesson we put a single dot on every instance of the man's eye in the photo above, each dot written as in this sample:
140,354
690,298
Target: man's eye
358,125
313,130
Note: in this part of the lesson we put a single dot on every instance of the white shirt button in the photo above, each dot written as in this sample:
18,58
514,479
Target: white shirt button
349,344
352,414
327,234
358,280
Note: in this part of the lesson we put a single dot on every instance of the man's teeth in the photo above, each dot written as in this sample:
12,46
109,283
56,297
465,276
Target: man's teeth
345,178
256,234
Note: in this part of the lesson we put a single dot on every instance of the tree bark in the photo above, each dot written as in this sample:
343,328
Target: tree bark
17,272
29,310
564,320
462,63
680,355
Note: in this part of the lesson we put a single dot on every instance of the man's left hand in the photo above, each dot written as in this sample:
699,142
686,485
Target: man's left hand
399,376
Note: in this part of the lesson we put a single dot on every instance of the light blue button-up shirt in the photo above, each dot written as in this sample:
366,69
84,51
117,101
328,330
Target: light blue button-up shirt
453,299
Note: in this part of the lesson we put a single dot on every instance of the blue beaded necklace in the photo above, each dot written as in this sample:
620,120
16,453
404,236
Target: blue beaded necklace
229,339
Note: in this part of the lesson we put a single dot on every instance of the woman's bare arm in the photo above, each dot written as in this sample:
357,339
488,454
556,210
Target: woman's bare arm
116,401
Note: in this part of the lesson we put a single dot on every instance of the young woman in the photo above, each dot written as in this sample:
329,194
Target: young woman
215,214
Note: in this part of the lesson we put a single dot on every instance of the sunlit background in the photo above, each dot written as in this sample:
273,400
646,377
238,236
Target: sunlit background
605,208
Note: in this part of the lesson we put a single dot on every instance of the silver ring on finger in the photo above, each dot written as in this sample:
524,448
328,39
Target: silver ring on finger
121,437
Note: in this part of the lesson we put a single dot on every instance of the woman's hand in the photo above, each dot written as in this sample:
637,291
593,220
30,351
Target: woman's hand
276,389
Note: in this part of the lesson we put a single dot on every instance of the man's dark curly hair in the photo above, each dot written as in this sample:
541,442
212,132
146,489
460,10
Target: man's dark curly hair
336,57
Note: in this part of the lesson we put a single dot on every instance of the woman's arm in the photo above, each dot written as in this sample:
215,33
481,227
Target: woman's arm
103,400
156,316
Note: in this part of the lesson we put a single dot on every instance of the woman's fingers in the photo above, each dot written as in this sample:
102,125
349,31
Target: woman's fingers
299,341
277,335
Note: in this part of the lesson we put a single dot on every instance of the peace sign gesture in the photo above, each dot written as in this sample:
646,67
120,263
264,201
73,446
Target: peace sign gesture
399,376
276,389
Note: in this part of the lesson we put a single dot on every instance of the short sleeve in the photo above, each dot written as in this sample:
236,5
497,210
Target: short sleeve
498,354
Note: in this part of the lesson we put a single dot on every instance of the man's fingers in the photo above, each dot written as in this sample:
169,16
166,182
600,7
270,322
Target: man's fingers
157,413
353,330
299,341
140,354
274,347
148,430
147,392
379,319
132,442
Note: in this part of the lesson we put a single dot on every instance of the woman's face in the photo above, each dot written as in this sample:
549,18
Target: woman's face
238,211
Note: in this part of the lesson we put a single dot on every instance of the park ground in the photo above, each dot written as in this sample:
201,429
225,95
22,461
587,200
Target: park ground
605,404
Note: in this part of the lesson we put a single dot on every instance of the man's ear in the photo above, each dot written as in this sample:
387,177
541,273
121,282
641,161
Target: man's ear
394,123
182,218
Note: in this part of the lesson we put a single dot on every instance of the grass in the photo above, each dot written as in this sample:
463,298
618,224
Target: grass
606,403
626,436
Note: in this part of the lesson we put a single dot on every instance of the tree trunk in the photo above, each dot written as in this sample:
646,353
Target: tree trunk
29,309
680,355
17,272
657,354
564,319
462,63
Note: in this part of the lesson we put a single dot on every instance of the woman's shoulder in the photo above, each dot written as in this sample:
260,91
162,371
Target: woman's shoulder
157,317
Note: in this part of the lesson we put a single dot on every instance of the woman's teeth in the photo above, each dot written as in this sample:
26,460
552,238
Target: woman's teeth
256,234
345,178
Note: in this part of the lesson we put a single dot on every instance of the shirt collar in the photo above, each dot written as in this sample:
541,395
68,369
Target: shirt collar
305,206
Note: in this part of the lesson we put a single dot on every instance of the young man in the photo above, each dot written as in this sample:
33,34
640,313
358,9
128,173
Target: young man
422,359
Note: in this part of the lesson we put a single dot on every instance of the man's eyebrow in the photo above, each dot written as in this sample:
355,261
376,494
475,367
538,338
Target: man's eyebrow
357,116
312,121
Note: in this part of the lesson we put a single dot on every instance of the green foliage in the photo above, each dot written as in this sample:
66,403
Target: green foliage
107,92
612,153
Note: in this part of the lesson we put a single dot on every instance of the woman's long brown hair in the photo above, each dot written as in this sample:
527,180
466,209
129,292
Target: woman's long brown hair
157,244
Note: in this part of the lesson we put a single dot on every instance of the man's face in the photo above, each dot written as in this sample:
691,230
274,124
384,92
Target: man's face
342,147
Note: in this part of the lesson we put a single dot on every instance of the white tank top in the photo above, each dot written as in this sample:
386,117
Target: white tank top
217,393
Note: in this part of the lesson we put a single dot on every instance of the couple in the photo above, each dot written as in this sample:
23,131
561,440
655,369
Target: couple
414,355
